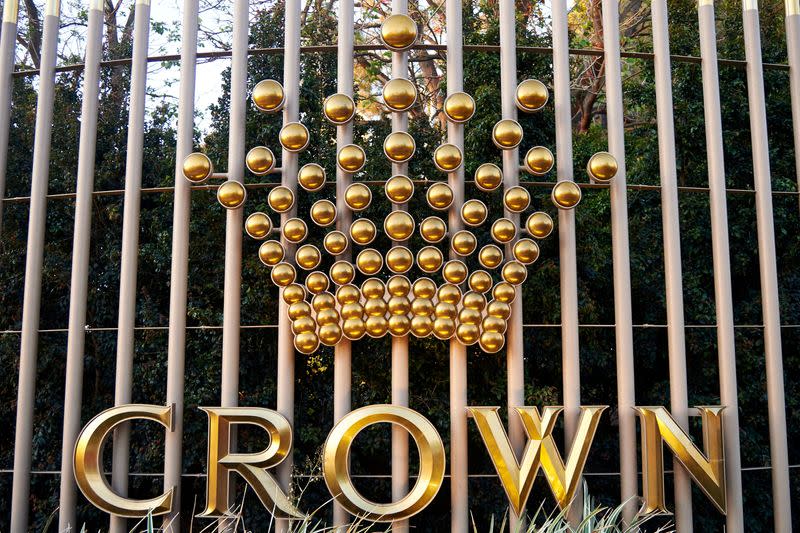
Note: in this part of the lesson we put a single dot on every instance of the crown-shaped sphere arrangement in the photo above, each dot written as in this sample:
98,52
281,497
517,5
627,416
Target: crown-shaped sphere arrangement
444,299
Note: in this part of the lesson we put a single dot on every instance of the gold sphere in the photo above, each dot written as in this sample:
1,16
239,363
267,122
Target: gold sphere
330,334
399,94
377,326
295,230
271,253
369,261
399,259
498,309
463,243
531,95
323,213
362,231
455,271
539,161
602,167
517,199
490,256
493,324
342,272
467,334
566,195
293,293
348,294
352,310
399,325
421,326
335,242
539,225
268,96
469,316
281,199
375,307
398,286
303,325
433,229
439,196
398,32
306,343
294,137
504,292
339,108
503,230
444,328
358,196
299,310
449,293
317,282
283,274
422,307
258,225
373,289
473,212
260,160
399,146
474,301
507,134
480,281
307,257
448,157
327,317
399,225
445,310
429,259
351,158
459,107
399,189
424,288
231,194
323,301
488,177
354,328
515,272
526,251
197,167
491,342
311,177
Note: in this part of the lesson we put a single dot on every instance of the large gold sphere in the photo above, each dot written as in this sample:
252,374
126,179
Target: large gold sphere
459,107
439,196
448,157
480,281
399,94
398,32
602,167
526,251
375,307
280,199
507,134
531,95
295,230
330,334
429,259
469,316
339,108
351,158
260,160
467,334
323,301
445,310
283,274
474,301
539,225
373,289
293,293
348,294
503,230
306,343
327,316
566,195
504,292
271,253
335,242
515,272
516,199
342,272
455,271
377,326
258,225
421,326
311,177
444,328
231,194
474,212
449,294
354,328
362,231
303,324
299,310
323,213
197,167
539,161
358,196
490,256
294,137
268,96
493,324
488,177
433,229
317,282
399,325
498,309
352,310
369,261
463,243
399,259
422,307
399,146
491,342
399,189
424,288
398,286
399,225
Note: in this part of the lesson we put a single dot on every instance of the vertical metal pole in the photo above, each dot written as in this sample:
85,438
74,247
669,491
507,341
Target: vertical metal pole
8,41
76,336
793,48
31,306
626,391
781,500
179,271
726,346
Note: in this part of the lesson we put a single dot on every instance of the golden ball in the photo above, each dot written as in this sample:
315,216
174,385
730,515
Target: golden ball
268,96
539,161
327,317
375,307
352,310
474,212
424,288
429,259
503,230
463,243
507,134
399,325
516,199
317,282
421,326
293,293
433,229
531,95
493,324
369,261
299,310
307,257
422,307
271,253
231,194
398,286
342,272
260,160
303,325
498,309
602,167
459,107
323,213
354,328
399,305
258,225
373,289
504,292
480,281
445,310
469,316
490,256
294,137
399,259
566,195
467,334
339,108
295,230
330,334
311,177
358,196
399,147
539,225
281,199
283,274
197,167
526,251
398,32
444,328
348,294
449,293
488,177
474,301
514,272
323,301
351,158
399,225
335,242
362,231
491,342
448,157
439,196
306,343
455,271
399,94
399,189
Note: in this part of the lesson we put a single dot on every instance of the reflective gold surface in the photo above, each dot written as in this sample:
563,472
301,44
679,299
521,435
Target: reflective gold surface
447,157
459,107
399,189
295,230
422,307
474,212
514,272
231,194
299,310
488,177
258,225
351,158
323,213
423,288
539,225
271,253
377,326
317,282
539,161
421,326
363,231
463,243
373,289
268,96
330,334
399,259
399,146
490,256
493,324
260,160
280,199
311,177
504,292
531,95
293,293
491,342
323,301
335,242
369,261
439,196
308,257
398,32
358,196
498,309
348,294
503,230
526,251
507,134
467,334
449,293
283,274
294,137
197,167
516,199
399,225
399,325
602,167
480,281
306,342
433,229
354,328
455,271
399,94
566,195
339,108
429,259
398,286
444,328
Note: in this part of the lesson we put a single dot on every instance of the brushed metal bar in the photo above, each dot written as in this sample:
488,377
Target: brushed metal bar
793,51
8,42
